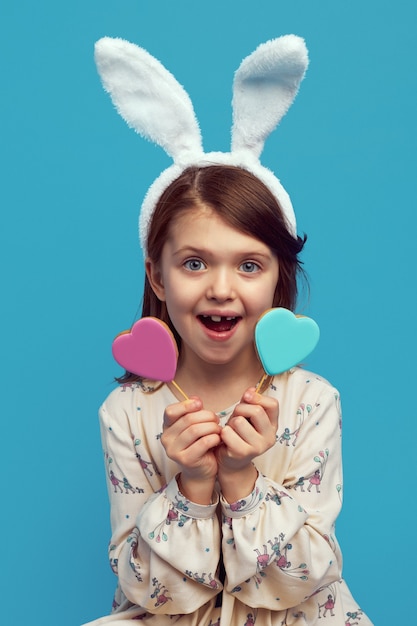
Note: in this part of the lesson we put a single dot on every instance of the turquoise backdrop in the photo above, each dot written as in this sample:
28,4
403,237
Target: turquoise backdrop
72,178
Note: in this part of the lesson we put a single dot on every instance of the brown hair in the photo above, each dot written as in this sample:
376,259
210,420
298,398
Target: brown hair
243,202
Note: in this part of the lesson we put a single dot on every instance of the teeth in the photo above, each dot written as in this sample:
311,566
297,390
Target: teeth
218,318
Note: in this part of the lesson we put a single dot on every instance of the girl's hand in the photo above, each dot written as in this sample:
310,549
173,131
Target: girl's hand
189,437
249,432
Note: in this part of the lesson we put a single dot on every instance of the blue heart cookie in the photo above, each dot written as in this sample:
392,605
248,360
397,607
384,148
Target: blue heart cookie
284,340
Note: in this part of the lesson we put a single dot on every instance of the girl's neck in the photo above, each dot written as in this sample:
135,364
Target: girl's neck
218,386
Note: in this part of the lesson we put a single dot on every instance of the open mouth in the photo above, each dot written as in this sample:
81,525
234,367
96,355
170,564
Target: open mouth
218,323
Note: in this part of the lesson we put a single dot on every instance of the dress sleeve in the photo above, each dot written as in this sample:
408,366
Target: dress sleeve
164,549
278,544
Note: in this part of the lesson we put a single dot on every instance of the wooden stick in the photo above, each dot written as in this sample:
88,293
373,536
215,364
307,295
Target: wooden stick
180,390
261,382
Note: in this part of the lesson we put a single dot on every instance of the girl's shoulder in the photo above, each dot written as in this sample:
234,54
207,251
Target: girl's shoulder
298,381
130,397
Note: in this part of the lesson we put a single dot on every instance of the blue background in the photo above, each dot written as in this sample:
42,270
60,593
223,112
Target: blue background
73,175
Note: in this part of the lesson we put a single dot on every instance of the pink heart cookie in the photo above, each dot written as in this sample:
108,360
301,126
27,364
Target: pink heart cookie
284,340
148,350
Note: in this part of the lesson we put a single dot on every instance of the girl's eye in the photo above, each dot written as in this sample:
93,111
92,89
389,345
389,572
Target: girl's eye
194,265
249,267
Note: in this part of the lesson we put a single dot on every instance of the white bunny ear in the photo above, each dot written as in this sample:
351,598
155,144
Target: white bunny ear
148,97
265,86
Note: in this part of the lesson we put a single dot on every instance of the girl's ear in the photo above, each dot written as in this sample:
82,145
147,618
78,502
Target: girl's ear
154,276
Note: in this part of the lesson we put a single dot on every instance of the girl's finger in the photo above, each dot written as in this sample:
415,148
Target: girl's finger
188,436
174,412
270,405
239,434
194,454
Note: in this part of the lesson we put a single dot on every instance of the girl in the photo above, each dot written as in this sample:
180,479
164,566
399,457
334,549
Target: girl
210,521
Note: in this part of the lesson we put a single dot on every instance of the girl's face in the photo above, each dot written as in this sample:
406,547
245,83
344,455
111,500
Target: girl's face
216,281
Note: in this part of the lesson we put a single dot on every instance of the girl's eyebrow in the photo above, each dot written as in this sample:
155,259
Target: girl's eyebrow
241,254
189,250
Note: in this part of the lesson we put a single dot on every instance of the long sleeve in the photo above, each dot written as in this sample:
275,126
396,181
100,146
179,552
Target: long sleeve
164,549
278,543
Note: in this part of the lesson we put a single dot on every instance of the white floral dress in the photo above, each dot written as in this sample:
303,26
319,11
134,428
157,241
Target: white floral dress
270,559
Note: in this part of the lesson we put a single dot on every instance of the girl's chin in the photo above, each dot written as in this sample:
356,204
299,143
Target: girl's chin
221,354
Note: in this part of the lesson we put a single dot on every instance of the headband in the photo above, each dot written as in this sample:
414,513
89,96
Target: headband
154,104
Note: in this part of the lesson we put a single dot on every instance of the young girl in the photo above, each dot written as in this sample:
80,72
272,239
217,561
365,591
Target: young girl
223,506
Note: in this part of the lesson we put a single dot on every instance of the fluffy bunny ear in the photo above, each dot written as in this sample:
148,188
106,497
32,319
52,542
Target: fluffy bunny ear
265,86
148,97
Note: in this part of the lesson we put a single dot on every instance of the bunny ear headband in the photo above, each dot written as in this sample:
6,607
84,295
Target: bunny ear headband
153,103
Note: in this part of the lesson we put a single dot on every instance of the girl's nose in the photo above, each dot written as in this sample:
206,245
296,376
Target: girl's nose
221,287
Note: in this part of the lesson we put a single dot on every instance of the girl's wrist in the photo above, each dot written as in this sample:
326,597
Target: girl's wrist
199,491
237,484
